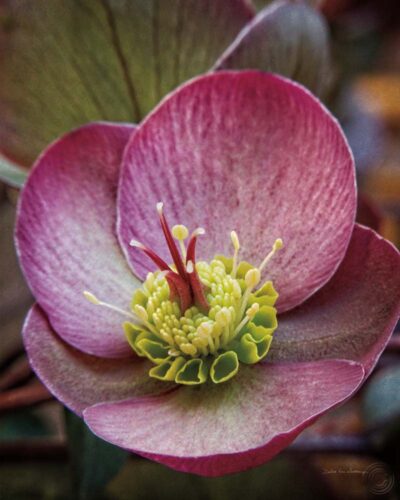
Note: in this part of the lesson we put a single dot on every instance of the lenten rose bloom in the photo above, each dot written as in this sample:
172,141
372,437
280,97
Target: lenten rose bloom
208,375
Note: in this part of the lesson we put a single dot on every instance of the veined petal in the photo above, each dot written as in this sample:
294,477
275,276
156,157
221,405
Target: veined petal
223,428
247,151
287,38
66,240
79,380
354,315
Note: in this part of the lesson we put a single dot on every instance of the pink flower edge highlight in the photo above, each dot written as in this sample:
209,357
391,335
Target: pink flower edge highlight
214,431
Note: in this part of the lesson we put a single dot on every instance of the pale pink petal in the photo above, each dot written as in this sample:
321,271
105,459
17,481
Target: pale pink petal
215,430
79,380
248,151
354,315
66,240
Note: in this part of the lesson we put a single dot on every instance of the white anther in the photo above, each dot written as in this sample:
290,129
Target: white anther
236,247
235,240
94,300
275,247
141,312
180,232
237,291
253,310
160,206
278,244
223,317
136,244
250,313
204,329
189,349
91,298
252,278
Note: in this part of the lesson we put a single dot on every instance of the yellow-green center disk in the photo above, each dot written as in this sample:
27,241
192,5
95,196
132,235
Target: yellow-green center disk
195,346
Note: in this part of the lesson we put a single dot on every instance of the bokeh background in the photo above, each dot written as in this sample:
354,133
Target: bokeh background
351,453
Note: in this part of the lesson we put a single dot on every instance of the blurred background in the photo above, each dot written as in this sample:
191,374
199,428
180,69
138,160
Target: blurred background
351,453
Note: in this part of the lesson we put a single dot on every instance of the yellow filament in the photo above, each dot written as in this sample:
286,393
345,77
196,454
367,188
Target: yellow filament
250,313
236,247
276,246
94,300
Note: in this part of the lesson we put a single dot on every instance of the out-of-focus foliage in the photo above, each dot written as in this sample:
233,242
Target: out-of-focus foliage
93,461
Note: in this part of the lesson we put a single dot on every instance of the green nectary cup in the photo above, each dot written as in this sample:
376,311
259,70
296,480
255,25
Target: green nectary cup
196,345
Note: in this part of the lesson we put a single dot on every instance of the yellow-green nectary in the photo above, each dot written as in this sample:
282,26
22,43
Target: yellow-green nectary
191,347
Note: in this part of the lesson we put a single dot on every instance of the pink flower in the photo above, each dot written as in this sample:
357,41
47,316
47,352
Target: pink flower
244,151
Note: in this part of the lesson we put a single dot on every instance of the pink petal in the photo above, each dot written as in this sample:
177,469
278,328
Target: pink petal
79,380
354,315
247,151
66,239
216,430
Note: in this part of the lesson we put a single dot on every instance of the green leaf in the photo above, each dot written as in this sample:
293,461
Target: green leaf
94,462
287,38
67,62
11,174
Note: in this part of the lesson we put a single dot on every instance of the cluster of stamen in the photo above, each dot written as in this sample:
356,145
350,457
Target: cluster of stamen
196,320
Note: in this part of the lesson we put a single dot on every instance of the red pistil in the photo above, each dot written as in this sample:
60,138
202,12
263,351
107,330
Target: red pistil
195,283
182,288
171,243
158,261
185,285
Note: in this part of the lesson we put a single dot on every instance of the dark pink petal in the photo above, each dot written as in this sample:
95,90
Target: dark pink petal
247,151
215,430
354,315
66,239
79,380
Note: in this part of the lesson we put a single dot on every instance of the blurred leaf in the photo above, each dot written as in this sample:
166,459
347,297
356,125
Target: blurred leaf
287,38
11,174
68,62
21,425
94,461
381,400
150,480
33,480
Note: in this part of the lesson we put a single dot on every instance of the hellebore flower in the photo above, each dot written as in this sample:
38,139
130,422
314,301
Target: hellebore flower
207,378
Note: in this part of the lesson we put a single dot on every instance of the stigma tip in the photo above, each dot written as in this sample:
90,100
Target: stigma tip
136,244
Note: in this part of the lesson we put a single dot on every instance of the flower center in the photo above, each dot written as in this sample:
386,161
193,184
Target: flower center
198,320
